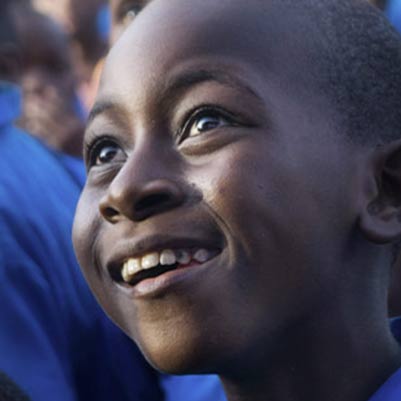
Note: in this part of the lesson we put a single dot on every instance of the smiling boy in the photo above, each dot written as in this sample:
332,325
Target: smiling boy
243,201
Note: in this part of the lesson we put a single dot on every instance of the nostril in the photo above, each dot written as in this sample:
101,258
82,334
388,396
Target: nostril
153,201
109,213
137,202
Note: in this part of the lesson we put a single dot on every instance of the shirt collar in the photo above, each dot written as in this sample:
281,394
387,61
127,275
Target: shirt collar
10,102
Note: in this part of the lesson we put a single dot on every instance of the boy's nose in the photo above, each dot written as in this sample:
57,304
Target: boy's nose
137,198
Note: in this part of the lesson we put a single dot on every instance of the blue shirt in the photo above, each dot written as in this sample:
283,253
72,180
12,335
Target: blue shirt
55,342
193,388
393,12
391,389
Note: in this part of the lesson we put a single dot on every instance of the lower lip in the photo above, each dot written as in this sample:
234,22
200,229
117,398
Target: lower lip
160,285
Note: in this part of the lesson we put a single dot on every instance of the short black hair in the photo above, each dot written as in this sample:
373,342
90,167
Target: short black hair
7,27
357,67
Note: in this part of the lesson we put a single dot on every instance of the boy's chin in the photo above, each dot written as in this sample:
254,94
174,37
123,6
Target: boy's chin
178,359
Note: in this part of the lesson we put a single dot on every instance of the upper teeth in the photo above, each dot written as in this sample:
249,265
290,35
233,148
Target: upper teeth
166,257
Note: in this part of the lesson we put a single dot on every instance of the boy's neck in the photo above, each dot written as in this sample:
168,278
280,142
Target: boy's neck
335,365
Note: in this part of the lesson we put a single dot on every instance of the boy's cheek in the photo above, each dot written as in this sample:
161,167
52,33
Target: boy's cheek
86,228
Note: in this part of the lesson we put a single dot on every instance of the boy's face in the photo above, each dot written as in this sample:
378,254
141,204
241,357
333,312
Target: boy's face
206,136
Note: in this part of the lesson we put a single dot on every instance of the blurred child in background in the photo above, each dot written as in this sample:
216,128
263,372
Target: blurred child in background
51,108
87,25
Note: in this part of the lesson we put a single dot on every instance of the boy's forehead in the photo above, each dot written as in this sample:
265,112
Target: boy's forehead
192,16
258,32
255,42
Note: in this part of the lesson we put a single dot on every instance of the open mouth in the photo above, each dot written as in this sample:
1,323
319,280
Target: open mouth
153,264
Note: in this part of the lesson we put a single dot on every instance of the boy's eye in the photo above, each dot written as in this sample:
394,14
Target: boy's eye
205,120
205,124
105,152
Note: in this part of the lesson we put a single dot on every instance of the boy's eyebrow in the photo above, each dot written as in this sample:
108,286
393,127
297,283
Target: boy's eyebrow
99,108
179,84
184,81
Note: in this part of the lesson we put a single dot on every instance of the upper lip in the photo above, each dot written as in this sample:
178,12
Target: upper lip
156,243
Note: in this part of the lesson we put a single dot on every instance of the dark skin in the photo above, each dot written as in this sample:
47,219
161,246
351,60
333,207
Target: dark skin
394,301
395,287
241,160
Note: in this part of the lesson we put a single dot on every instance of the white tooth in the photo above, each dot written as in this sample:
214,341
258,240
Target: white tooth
150,260
133,266
183,257
124,272
201,255
167,257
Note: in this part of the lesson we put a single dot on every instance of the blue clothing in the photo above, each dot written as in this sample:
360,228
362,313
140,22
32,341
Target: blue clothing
391,389
55,342
103,22
393,12
193,388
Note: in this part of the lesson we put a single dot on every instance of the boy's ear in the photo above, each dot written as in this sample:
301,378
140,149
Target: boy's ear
380,218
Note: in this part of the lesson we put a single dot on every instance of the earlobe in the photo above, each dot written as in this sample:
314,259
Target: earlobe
380,219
